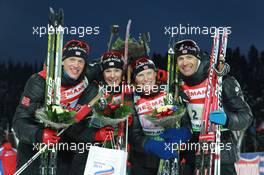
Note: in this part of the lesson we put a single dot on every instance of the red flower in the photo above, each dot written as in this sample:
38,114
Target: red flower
113,106
163,114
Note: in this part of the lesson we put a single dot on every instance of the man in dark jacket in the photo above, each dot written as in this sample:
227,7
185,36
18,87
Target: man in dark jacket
75,91
193,66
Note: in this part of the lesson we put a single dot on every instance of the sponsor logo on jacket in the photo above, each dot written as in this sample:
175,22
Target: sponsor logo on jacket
144,106
196,93
72,94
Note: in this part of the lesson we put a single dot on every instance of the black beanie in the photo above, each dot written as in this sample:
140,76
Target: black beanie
185,47
142,63
112,59
76,48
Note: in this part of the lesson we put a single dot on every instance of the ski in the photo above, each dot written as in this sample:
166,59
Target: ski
122,125
58,57
54,58
170,166
43,169
145,38
170,68
122,137
114,32
203,158
207,162
48,161
52,166
50,60
128,67
217,99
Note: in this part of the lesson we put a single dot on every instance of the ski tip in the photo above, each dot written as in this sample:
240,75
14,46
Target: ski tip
146,36
61,12
171,51
51,10
51,16
115,28
61,17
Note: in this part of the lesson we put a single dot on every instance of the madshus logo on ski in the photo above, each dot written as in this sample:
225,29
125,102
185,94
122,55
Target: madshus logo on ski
103,169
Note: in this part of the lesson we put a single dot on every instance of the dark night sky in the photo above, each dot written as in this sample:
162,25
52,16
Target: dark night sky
18,18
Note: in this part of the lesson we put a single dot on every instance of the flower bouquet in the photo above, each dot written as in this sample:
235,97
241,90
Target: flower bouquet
106,112
169,115
55,116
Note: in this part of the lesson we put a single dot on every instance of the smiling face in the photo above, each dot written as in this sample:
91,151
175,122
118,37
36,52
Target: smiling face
112,76
74,66
188,64
146,79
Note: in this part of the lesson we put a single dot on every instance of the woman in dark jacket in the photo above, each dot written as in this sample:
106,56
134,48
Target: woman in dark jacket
146,149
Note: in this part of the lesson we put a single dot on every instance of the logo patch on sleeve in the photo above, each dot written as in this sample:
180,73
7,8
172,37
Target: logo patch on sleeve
25,101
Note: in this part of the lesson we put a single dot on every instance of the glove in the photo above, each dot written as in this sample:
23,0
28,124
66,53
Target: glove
159,149
176,135
49,137
82,112
218,117
104,134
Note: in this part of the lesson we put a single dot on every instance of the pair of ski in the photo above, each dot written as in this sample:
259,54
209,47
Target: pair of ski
121,141
48,159
171,166
207,161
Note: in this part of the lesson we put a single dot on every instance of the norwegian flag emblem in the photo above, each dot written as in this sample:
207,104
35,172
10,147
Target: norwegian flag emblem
184,51
25,101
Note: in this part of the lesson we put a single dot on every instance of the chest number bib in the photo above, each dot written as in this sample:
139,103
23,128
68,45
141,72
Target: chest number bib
195,112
